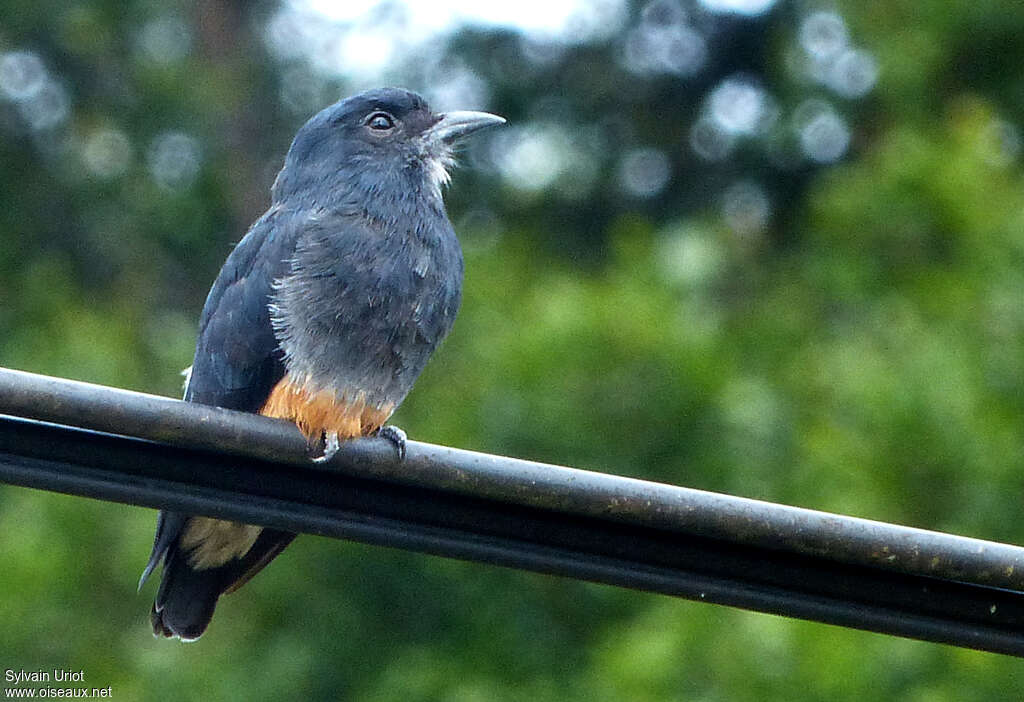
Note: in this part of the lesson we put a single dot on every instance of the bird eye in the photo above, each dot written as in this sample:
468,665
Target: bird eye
380,121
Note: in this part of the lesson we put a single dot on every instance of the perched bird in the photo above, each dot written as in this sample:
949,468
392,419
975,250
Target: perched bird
325,313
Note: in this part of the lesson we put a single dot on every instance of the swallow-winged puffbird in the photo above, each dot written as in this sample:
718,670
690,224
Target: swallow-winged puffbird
324,313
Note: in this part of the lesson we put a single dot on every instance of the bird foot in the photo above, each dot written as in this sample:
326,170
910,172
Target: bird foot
331,445
396,436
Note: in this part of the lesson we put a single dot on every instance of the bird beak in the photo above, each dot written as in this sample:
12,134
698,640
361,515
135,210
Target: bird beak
453,126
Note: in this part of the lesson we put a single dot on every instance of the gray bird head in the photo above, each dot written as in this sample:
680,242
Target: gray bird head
377,142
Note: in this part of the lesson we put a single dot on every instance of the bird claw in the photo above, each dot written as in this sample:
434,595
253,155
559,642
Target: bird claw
331,445
390,432
396,436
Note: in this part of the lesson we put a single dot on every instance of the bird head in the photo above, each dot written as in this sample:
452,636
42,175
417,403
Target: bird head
378,139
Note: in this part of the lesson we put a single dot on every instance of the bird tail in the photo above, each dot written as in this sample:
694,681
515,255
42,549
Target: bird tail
188,596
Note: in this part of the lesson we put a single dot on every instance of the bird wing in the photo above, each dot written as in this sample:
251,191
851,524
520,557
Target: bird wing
237,359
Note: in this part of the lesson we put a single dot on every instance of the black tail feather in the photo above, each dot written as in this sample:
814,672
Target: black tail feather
188,597
168,527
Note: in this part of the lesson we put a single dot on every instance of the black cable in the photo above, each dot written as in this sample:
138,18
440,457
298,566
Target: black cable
139,449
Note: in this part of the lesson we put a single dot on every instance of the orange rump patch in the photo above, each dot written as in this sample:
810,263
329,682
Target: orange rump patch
323,411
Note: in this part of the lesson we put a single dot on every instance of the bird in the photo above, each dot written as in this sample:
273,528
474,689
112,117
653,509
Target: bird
324,314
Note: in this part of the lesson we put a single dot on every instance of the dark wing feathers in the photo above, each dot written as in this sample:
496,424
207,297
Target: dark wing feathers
237,362
237,359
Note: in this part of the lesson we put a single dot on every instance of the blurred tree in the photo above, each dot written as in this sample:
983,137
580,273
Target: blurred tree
769,248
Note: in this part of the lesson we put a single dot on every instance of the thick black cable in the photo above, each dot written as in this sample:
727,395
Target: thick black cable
139,449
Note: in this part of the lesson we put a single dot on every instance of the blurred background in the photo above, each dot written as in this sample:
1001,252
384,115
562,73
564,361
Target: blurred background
764,247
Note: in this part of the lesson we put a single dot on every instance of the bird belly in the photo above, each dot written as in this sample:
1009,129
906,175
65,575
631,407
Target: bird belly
210,542
348,414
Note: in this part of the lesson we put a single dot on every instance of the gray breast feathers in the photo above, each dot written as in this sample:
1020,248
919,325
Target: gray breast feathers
361,310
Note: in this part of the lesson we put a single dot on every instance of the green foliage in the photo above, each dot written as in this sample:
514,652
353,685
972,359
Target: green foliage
862,356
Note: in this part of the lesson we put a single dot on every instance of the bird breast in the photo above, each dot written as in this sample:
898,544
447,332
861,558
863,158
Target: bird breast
361,310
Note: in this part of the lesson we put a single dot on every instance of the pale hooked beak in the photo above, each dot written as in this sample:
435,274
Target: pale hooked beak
453,126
